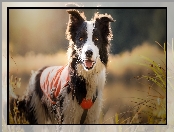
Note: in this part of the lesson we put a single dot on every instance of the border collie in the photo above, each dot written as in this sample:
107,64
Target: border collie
72,94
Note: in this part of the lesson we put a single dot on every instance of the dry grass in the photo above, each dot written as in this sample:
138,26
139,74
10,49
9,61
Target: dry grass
134,94
145,104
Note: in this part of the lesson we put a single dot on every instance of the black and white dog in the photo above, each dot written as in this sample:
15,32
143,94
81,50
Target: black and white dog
72,94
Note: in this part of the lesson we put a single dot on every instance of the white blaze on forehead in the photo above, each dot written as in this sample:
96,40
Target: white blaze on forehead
90,27
89,44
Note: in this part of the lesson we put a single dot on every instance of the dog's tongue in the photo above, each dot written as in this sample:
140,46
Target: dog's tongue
88,63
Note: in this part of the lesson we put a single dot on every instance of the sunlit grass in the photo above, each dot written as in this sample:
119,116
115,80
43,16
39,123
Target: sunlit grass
153,106
150,108
18,117
158,77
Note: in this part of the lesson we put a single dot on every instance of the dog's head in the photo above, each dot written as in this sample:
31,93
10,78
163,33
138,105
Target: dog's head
89,40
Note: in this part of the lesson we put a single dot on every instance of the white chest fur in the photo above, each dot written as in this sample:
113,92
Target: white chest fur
95,78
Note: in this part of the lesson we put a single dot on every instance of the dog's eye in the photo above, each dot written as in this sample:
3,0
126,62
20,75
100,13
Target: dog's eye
81,38
95,39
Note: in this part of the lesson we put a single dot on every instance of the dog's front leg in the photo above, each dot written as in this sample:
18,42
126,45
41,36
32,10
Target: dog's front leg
72,111
78,114
93,113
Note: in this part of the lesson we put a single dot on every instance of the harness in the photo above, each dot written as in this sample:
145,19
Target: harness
54,79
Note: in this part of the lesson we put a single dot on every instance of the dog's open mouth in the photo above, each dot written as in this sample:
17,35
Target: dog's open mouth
88,64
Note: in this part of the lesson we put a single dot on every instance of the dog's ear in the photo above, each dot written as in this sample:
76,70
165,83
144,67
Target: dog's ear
75,17
103,23
106,20
103,19
75,20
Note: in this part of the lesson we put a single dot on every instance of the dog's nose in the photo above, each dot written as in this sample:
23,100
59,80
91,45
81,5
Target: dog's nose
89,53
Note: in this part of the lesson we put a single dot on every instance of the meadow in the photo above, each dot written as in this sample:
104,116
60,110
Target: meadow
135,91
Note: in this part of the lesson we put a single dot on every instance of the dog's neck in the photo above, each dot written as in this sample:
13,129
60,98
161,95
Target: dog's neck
92,77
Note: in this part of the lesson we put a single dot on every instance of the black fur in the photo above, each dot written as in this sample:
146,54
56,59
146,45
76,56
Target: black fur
30,112
21,106
26,104
74,62
68,89
103,33
37,83
39,92
75,21
81,35
78,87
61,99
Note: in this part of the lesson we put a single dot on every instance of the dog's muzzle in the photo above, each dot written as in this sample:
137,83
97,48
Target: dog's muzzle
88,62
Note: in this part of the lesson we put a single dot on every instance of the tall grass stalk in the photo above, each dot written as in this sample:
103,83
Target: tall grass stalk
158,116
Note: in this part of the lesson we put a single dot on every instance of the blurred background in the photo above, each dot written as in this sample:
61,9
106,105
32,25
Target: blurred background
37,38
